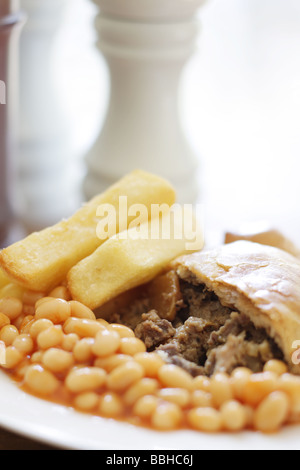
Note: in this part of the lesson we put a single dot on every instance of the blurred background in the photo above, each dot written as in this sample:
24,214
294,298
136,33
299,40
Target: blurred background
239,104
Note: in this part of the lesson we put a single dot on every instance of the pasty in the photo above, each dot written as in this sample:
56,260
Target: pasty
233,306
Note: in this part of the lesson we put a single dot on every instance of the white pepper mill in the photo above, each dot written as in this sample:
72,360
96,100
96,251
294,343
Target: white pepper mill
45,194
146,44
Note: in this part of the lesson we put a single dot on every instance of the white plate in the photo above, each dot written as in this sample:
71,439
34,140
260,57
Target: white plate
62,427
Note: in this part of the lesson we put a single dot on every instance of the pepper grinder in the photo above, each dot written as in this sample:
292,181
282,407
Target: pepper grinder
11,20
146,44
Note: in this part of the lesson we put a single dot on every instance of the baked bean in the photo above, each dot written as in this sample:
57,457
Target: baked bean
60,292
239,381
78,366
82,327
31,297
258,387
85,379
57,360
106,343
69,341
173,376
4,320
18,321
110,405
201,383
205,419
234,415
37,357
42,301
179,396
200,398
51,337
290,384
277,367
131,346
13,357
143,387
25,326
166,416
38,326
24,343
151,362
124,375
145,406
21,369
109,363
272,412
86,401
123,331
40,380
11,307
8,334
78,310
83,350
220,388
103,322
56,310
12,290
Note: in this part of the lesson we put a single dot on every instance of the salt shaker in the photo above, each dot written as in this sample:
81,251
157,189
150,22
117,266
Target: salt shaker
146,44
11,20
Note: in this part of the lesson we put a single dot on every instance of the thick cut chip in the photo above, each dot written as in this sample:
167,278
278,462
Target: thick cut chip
4,280
43,259
134,257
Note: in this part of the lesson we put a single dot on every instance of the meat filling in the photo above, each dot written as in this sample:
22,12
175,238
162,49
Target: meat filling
200,334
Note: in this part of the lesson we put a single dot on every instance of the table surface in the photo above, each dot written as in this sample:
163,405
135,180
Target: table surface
241,110
11,441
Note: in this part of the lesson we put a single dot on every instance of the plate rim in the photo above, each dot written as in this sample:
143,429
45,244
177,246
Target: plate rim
55,425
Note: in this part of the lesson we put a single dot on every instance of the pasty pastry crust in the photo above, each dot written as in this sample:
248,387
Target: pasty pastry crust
259,281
